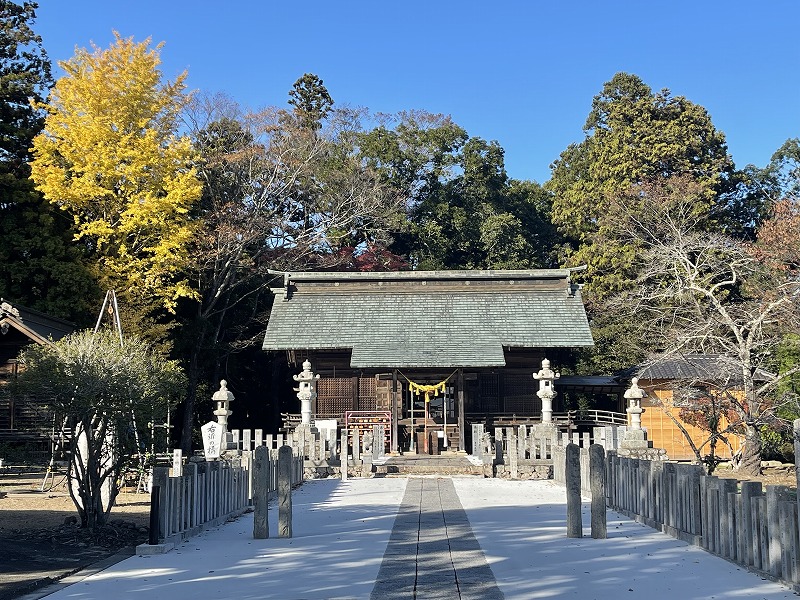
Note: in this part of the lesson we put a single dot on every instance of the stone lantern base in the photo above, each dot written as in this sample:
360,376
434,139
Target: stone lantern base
544,431
635,439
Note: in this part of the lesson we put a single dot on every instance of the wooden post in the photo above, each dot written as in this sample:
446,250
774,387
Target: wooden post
573,480
160,481
750,490
461,422
597,481
395,415
796,430
775,495
261,479
285,492
726,487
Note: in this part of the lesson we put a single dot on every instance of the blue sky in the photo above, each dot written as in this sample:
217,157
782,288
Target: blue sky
519,72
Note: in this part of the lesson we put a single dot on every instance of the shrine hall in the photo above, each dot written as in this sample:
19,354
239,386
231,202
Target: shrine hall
427,351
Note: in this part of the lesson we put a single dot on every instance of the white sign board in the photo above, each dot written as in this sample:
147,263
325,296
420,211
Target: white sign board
212,433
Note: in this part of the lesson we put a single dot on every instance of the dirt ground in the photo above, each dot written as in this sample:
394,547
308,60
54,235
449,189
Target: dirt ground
40,540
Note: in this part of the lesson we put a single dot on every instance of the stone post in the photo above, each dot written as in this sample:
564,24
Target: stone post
597,481
356,445
573,480
343,456
378,449
546,392
477,435
285,492
261,479
177,462
513,456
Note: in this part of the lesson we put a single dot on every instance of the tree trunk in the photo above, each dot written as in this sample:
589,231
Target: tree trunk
193,377
751,452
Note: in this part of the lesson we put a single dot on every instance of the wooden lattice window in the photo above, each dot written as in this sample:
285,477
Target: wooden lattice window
520,394
367,394
334,395
488,393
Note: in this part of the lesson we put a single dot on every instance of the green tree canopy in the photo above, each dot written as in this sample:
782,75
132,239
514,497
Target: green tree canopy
311,101
635,136
462,209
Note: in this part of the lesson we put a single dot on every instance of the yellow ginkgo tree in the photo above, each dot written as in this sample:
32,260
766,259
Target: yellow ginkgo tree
110,155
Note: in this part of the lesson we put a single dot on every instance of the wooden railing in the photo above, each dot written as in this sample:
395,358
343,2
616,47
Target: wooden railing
598,417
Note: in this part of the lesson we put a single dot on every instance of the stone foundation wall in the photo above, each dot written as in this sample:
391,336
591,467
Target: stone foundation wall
655,454
523,471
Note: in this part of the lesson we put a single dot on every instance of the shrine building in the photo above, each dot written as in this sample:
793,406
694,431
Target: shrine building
427,350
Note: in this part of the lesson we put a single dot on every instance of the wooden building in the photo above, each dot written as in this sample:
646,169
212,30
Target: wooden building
674,384
478,334
21,419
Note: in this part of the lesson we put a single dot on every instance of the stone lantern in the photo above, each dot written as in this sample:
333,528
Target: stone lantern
634,395
306,392
635,437
546,376
223,397
216,438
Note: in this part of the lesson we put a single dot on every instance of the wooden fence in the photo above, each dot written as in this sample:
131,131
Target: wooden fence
207,494
317,446
739,521
753,527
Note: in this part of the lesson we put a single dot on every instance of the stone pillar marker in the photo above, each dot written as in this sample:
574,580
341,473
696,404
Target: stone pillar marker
177,462
597,481
285,457
546,376
343,456
261,478
573,481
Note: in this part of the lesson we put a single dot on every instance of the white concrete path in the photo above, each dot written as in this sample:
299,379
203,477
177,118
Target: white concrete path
342,529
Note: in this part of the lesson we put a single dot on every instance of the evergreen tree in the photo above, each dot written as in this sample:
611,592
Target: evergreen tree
42,266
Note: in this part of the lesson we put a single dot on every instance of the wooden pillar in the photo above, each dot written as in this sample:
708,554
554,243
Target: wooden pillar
461,422
395,415
501,391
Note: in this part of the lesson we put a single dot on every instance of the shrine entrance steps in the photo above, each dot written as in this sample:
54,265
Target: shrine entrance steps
450,463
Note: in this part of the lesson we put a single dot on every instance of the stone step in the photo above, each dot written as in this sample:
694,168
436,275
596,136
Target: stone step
448,464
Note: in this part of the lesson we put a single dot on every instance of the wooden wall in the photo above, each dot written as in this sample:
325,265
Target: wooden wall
665,434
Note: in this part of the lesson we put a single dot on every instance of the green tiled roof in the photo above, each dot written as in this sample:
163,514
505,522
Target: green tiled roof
435,320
